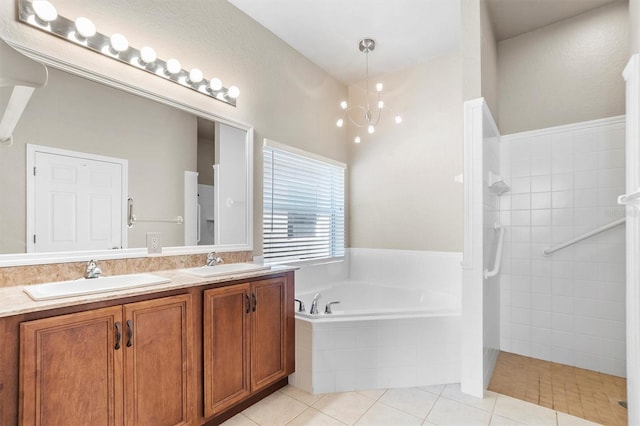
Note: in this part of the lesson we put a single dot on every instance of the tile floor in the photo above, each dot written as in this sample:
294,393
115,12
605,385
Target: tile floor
433,405
579,392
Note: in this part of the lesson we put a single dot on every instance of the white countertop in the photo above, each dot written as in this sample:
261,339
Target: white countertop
14,301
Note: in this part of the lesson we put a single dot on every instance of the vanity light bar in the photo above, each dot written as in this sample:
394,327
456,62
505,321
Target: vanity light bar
42,14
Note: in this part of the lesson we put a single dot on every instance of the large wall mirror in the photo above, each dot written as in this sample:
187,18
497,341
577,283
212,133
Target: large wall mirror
185,176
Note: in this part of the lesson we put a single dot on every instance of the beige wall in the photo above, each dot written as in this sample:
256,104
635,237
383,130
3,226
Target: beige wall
479,54
566,72
284,95
206,159
471,41
489,61
401,181
634,27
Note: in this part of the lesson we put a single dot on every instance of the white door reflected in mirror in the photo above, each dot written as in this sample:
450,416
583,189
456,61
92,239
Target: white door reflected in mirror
75,201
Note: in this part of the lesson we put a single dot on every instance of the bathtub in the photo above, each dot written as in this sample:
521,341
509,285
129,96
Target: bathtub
399,333
359,300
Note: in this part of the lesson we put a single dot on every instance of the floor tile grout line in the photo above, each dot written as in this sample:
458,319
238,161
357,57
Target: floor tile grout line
431,409
365,412
492,411
399,409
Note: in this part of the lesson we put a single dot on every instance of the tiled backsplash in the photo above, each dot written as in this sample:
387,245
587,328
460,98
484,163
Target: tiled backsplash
568,307
34,274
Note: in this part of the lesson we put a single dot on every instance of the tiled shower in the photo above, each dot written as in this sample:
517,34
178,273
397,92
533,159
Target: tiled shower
568,307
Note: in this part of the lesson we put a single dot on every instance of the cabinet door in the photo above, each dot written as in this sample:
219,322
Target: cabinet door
268,332
71,369
226,347
157,350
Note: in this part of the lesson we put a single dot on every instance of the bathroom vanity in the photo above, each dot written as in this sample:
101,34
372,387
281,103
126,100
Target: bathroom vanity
190,352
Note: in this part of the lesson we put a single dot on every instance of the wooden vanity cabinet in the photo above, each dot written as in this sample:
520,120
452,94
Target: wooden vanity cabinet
191,356
248,340
126,364
69,369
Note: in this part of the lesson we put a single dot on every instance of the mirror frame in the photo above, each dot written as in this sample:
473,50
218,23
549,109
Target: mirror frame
22,259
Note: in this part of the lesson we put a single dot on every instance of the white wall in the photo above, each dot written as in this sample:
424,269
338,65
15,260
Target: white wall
569,307
397,174
491,285
284,95
567,72
480,304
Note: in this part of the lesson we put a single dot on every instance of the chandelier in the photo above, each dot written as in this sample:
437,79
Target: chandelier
365,115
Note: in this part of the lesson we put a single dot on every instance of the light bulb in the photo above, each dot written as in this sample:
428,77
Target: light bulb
398,119
148,55
85,27
357,139
233,92
343,104
45,11
195,76
340,122
380,104
173,66
119,43
379,87
371,129
215,84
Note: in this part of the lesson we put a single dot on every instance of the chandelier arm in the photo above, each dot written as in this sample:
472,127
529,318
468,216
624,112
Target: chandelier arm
377,120
355,107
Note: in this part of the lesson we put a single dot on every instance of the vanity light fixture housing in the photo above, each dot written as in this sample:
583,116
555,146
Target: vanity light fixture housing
43,15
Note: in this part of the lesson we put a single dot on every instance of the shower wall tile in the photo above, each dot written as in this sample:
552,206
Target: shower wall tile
541,183
568,307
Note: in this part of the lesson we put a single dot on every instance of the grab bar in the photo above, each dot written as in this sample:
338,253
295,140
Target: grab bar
178,219
584,236
632,199
496,262
132,218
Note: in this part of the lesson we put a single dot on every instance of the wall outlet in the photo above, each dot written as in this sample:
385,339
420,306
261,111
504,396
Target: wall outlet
154,245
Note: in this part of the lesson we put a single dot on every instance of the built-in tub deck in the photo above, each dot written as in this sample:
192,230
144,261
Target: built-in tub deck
377,337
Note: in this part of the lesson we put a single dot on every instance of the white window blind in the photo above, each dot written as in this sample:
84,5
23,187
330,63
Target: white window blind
303,215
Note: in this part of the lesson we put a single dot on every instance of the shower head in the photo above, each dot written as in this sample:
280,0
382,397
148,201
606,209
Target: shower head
499,188
497,184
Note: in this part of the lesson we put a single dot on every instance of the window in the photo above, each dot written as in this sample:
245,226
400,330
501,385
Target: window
303,214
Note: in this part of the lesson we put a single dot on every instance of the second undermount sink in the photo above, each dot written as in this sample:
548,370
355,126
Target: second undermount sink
225,269
80,287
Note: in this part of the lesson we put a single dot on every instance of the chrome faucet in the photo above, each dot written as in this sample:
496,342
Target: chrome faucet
93,270
301,308
327,308
213,259
314,304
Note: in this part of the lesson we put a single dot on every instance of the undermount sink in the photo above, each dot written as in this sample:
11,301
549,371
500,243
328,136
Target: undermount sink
80,287
225,269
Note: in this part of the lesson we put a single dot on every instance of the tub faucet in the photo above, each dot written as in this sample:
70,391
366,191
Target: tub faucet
301,308
213,259
314,304
327,308
93,270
